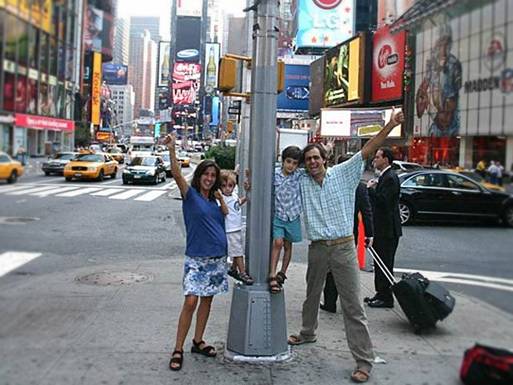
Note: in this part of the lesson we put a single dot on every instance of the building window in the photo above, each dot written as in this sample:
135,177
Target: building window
44,52
33,44
9,91
53,57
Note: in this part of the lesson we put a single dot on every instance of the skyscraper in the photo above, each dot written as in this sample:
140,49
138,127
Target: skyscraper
140,23
121,42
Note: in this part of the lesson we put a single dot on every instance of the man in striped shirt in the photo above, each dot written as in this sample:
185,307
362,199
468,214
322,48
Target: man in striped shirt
328,207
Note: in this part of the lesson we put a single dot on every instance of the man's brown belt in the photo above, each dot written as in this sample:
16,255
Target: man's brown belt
331,242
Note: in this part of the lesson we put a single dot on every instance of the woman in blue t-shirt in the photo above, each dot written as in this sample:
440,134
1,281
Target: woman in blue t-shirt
205,270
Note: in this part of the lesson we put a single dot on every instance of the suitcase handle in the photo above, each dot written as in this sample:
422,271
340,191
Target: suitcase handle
389,276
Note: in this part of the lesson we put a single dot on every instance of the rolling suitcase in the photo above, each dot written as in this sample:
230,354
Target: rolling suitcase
424,303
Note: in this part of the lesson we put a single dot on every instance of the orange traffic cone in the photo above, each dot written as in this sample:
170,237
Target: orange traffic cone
361,243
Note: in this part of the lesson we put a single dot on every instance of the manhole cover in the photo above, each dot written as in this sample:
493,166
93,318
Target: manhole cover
17,220
106,278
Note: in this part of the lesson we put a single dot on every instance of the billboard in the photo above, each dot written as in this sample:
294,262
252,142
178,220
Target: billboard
324,23
387,64
355,123
96,85
188,7
464,76
212,52
186,82
163,68
98,31
188,37
391,10
297,89
38,13
343,72
115,74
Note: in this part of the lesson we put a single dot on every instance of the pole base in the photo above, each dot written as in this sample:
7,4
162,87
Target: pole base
258,325
236,357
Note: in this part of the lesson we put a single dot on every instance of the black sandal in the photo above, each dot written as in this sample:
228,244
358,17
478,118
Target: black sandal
274,285
176,360
207,350
281,277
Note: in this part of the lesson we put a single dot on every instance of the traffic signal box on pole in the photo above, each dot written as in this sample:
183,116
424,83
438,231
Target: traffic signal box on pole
228,69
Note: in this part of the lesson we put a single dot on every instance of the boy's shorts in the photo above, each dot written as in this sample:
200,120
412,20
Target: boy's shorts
289,230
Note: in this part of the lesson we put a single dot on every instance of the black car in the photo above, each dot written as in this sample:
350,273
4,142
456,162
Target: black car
432,194
56,164
148,169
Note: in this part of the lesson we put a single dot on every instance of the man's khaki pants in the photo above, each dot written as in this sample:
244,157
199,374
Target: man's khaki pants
340,259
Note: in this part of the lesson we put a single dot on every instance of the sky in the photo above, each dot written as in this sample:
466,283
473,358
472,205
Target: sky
127,8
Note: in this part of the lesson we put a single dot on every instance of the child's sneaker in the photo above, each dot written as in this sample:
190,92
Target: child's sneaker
234,274
246,278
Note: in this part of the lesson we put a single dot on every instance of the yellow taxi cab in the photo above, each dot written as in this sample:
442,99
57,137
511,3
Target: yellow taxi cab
91,165
10,169
477,178
117,154
184,159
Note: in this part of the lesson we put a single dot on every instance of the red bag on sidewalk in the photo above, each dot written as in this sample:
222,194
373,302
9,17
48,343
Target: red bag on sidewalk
484,365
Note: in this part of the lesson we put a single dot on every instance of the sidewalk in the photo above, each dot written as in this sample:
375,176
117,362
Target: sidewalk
55,330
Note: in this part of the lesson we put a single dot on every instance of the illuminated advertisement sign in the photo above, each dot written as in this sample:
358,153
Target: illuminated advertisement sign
355,123
38,13
212,52
188,37
189,7
390,10
324,23
98,31
297,89
387,65
163,68
186,81
115,74
343,72
96,85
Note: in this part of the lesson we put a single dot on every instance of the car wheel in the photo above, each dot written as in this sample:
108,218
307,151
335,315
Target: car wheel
13,177
163,178
125,181
68,179
114,174
508,216
405,213
47,173
101,175
156,180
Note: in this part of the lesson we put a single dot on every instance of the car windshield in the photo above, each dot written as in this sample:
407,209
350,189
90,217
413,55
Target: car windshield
63,156
165,157
89,158
143,161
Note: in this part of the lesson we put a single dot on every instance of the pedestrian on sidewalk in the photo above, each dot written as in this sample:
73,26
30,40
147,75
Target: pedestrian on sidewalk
384,195
233,222
328,204
205,267
287,212
493,171
363,207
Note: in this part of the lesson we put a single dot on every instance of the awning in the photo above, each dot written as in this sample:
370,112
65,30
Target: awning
418,12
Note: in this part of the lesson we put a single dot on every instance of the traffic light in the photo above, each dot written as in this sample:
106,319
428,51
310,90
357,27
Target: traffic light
280,84
227,74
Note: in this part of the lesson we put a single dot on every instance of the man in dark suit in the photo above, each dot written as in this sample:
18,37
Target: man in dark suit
384,195
363,206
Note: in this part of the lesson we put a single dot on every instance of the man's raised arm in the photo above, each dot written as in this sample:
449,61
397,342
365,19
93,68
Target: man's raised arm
374,143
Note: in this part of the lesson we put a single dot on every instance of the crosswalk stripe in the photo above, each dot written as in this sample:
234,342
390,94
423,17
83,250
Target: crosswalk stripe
107,192
11,260
79,192
126,194
12,188
53,191
30,190
149,196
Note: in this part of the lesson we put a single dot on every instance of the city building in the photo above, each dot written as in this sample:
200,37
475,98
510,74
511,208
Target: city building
123,97
39,74
142,70
463,82
150,23
120,50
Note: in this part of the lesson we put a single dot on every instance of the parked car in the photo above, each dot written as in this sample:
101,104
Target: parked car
400,166
433,194
90,165
148,169
56,163
10,169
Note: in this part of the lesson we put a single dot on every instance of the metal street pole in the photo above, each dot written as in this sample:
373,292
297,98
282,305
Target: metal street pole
257,329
